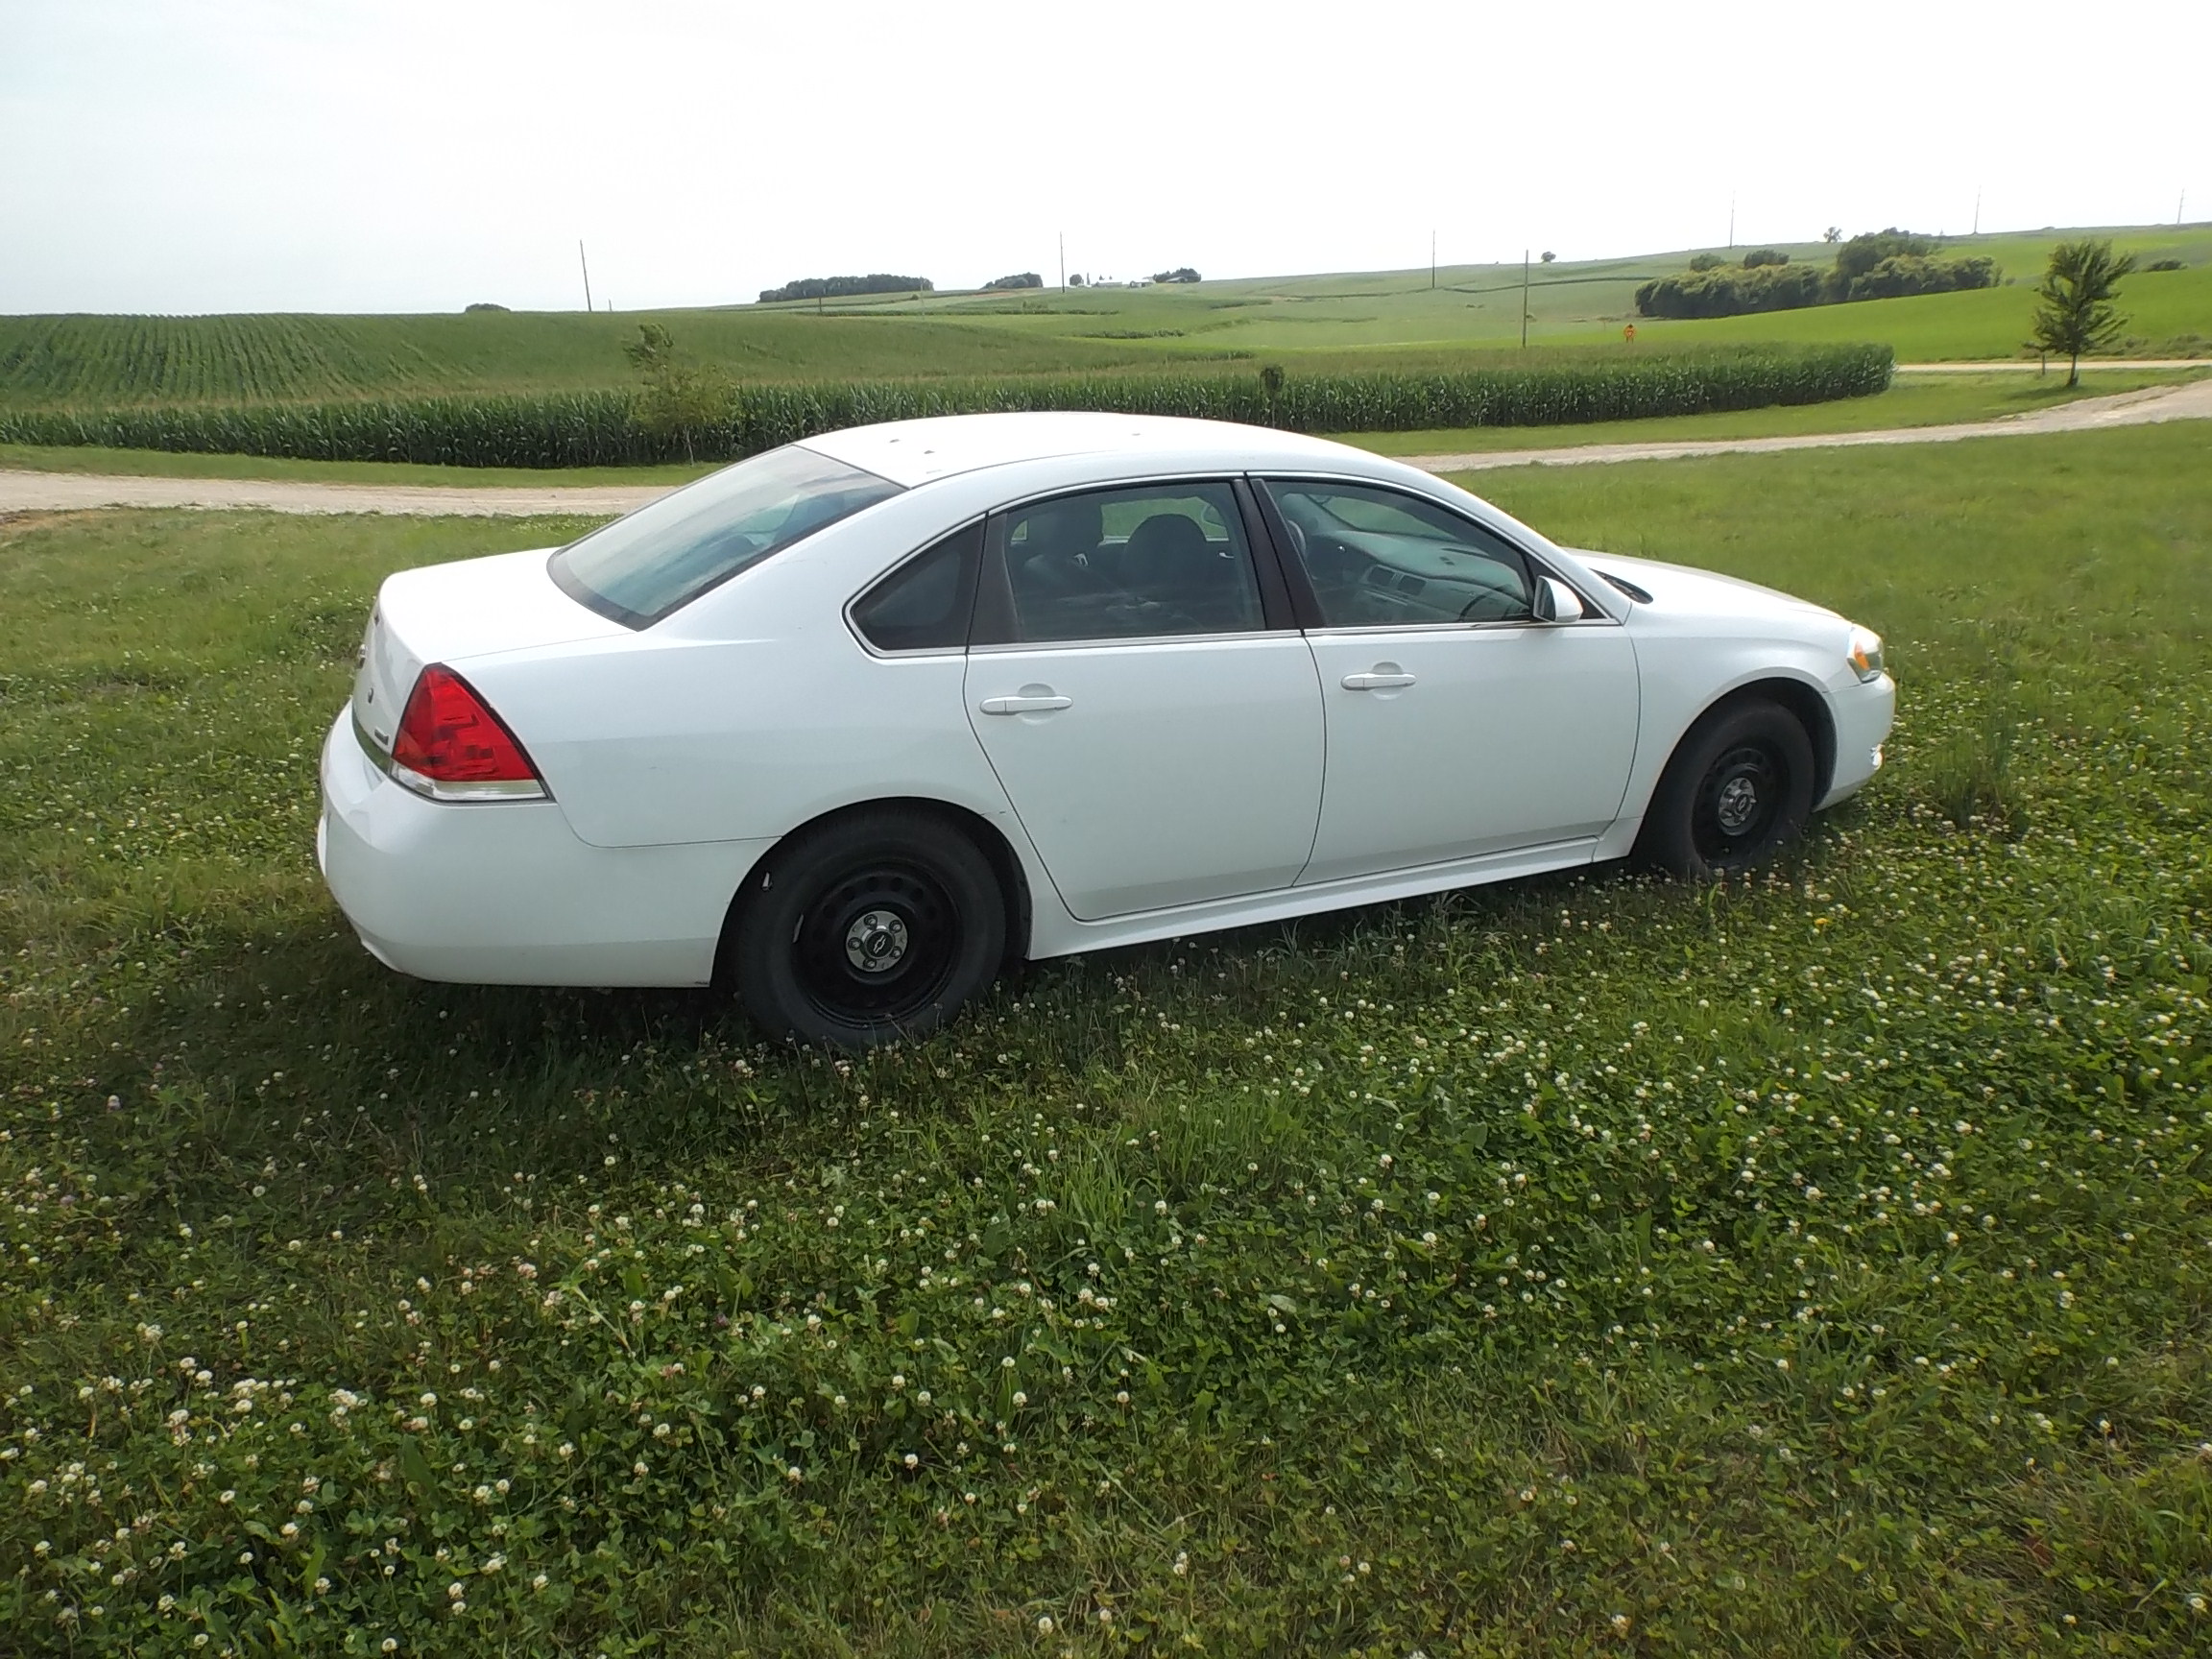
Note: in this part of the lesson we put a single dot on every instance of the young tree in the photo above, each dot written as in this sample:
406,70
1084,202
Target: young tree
680,400
2073,310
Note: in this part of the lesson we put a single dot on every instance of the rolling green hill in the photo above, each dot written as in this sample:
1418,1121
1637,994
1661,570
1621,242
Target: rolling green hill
1371,320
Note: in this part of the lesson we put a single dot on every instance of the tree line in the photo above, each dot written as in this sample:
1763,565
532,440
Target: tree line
844,287
1877,265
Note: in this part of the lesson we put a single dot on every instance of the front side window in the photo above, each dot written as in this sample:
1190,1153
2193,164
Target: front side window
659,559
1132,563
1378,558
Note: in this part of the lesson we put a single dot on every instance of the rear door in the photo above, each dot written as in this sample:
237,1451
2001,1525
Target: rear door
1139,689
1458,724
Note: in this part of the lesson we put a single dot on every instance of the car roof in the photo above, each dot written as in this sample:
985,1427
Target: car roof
911,452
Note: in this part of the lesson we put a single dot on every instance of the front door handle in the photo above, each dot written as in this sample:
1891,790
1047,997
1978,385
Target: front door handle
1025,704
1377,680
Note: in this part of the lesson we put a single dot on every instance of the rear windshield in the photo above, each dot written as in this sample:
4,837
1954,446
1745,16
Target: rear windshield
662,557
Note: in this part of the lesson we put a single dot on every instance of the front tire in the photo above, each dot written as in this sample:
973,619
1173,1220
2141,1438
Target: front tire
874,928
1740,785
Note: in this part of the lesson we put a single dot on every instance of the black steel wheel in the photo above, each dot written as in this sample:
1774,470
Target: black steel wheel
875,927
1740,785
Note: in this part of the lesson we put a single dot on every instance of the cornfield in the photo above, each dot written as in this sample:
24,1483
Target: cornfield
605,428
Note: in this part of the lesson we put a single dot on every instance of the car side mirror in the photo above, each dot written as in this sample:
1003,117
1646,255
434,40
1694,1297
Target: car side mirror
1557,602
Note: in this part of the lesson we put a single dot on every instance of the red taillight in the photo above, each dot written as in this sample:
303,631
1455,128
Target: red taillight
451,740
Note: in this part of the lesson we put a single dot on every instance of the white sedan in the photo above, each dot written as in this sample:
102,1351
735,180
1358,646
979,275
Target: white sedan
853,725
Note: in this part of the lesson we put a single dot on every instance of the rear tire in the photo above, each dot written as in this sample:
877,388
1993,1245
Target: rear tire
1740,785
874,928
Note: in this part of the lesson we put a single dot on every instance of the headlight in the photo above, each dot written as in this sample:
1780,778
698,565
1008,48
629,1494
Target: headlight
1865,654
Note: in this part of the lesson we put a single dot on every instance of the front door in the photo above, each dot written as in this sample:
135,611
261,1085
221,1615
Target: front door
1458,724
1161,743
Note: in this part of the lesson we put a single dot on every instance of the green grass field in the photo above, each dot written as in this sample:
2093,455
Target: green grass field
1818,1264
1308,323
2167,311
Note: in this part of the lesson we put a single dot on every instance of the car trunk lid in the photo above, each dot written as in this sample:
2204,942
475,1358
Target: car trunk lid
448,612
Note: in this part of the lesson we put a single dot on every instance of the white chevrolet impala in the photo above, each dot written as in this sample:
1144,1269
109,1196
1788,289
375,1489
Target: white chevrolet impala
852,724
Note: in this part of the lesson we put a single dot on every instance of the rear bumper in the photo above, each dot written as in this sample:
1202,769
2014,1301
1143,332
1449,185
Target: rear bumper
1865,711
504,893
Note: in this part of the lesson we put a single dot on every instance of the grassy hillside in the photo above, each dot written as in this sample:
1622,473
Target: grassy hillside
1310,324
2166,311
1583,1268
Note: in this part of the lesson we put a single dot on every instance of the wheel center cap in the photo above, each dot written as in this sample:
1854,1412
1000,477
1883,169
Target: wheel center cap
1738,804
877,941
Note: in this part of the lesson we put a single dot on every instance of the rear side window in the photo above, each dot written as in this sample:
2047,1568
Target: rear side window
1137,561
925,602
662,557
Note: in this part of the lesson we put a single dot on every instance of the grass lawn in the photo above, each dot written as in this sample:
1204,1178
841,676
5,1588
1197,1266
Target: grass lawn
1912,400
1821,1264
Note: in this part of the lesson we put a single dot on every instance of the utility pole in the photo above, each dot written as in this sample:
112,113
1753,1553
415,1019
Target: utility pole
2177,210
587,264
1731,221
1063,261
1523,298
1976,209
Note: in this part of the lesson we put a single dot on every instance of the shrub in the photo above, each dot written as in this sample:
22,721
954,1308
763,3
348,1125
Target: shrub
1181,274
1863,251
1706,261
483,305
2167,265
1019,279
1726,292
1912,273
606,428
1759,256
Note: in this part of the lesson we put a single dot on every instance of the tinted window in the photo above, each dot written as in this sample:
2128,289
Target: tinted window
1130,564
1376,559
640,567
925,603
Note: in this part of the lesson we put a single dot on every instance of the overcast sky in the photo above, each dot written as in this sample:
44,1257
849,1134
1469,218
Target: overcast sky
417,154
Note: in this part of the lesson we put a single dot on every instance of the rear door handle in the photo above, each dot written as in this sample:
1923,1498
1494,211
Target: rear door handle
1025,705
1376,681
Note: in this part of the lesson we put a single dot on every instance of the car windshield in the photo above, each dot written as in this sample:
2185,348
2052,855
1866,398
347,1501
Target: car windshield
662,557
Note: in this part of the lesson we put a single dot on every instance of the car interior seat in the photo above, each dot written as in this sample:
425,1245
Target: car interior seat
1169,561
